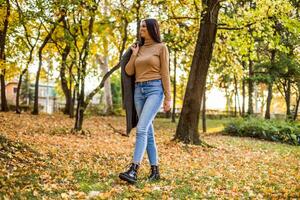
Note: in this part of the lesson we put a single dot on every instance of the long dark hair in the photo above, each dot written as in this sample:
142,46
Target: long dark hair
153,29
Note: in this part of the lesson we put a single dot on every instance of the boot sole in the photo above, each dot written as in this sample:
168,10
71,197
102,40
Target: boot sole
126,178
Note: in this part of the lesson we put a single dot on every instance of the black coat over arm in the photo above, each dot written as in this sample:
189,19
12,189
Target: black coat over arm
127,83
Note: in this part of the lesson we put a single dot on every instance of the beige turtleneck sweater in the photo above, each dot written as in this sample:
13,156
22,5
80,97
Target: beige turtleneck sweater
151,62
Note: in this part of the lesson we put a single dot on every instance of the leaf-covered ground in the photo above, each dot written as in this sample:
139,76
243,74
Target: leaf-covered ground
41,159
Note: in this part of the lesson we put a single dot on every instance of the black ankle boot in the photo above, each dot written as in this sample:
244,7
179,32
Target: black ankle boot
154,173
131,174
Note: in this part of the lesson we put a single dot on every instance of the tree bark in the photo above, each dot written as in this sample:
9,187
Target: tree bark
237,98
31,48
18,110
227,95
174,89
4,106
107,86
203,112
138,20
80,109
270,88
243,92
82,75
3,33
65,84
269,100
63,80
168,113
36,88
244,96
187,129
297,107
77,89
71,113
288,100
124,40
250,88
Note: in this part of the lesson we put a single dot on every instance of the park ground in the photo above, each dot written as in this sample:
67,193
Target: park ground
41,159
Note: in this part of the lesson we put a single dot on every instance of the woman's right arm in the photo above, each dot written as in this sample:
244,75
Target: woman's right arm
129,68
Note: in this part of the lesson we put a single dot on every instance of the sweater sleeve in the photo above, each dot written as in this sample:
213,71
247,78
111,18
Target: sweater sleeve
129,68
165,74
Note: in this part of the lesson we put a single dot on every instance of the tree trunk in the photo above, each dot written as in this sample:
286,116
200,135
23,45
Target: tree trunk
124,40
203,112
80,109
71,113
255,88
80,96
187,129
63,80
237,98
243,92
227,95
288,100
36,88
107,88
174,89
82,74
297,106
250,88
270,87
138,20
18,111
269,100
4,106
244,96
77,89
107,85
26,89
3,33
168,113
104,68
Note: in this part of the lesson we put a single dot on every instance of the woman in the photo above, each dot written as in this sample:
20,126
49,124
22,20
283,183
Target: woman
149,62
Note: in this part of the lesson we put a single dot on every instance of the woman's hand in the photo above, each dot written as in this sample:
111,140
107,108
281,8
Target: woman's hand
135,49
167,106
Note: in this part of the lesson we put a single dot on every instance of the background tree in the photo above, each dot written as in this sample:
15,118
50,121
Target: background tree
27,41
5,11
46,39
187,129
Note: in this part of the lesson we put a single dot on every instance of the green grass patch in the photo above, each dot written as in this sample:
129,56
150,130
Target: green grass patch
212,125
91,181
272,130
184,191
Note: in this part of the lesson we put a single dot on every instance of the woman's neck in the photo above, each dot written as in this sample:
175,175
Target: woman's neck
149,41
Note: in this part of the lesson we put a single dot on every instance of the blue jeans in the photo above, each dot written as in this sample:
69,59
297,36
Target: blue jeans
148,97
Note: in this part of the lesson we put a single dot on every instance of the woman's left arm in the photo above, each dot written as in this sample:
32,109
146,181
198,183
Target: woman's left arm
165,74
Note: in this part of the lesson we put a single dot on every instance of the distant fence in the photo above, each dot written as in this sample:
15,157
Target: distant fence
93,109
218,114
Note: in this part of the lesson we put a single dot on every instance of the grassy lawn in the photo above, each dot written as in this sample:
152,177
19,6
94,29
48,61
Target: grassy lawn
41,158
213,125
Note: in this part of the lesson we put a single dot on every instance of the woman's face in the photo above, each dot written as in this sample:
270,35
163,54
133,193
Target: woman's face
144,31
